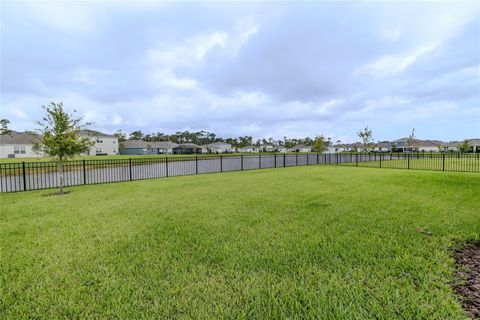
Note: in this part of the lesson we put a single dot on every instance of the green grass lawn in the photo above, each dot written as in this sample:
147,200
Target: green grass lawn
465,164
302,242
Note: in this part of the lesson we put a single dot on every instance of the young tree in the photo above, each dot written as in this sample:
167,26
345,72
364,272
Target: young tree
411,139
464,147
367,138
61,139
320,144
4,126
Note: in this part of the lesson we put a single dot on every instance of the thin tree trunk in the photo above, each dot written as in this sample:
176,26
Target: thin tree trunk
60,170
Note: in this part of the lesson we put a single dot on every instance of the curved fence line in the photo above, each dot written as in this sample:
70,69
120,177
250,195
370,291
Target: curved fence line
27,176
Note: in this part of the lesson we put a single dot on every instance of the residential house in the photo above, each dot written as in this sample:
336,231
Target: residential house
105,144
336,148
399,144
219,147
279,148
383,147
18,145
422,146
452,146
474,145
267,148
248,149
187,148
140,147
301,148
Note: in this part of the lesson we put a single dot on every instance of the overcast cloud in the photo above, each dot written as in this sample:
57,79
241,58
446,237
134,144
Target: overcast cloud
260,69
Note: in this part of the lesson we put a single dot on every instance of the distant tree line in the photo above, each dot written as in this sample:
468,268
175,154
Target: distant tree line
205,137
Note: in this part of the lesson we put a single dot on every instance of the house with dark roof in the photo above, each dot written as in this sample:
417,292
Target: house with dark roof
140,147
301,148
187,148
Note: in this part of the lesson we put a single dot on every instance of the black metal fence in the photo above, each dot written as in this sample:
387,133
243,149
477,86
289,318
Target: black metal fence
26,176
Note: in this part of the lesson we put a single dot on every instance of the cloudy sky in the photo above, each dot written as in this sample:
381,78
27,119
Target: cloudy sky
262,69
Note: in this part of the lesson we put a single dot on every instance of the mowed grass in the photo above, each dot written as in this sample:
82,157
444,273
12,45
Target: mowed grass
468,163
303,242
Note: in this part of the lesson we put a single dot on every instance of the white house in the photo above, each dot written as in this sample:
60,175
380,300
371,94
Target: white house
18,145
267,148
422,146
219,147
279,148
382,147
248,149
301,148
105,144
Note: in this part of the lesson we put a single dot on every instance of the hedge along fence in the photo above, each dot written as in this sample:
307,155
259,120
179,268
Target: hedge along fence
26,176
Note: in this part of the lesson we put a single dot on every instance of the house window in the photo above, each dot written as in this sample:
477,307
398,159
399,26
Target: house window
98,150
19,149
99,141
114,141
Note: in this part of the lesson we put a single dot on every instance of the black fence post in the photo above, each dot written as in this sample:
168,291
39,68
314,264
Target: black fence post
356,159
275,160
259,161
196,164
318,158
337,159
408,160
241,162
308,162
296,159
380,155
166,165
130,166
443,162
221,163
284,158
84,172
24,177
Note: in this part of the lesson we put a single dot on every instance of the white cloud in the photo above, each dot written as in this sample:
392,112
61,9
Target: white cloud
393,64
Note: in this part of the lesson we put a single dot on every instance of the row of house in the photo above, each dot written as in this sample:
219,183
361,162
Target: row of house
403,145
20,144
140,147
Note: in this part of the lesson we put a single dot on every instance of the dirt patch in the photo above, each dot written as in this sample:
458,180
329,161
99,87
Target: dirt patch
55,194
468,271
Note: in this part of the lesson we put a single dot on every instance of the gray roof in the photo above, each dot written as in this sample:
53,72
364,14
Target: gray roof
300,146
219,144
475,142
20,138
187,146
140,144
88,132
165,144
384,144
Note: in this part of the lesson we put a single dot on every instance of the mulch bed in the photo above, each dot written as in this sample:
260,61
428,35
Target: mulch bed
468,271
